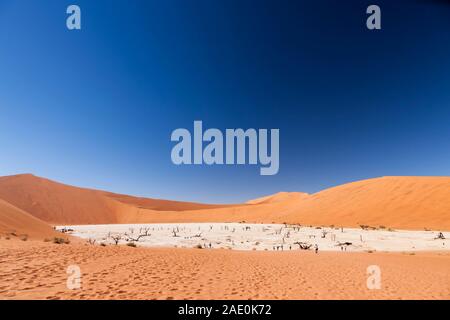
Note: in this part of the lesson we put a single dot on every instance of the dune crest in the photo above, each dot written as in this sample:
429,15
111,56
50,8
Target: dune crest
279,197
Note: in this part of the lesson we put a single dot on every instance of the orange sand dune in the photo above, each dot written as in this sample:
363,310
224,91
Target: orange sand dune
397,202
58,203
16,222
393,202
162,205
118,272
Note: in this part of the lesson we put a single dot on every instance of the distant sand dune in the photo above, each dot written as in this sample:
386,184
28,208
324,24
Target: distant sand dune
58,203
392,202
397,202
163,205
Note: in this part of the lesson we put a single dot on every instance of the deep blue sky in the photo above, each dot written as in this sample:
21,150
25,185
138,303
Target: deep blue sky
96,107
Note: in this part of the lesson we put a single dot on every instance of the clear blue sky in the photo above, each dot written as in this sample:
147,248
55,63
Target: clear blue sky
96,107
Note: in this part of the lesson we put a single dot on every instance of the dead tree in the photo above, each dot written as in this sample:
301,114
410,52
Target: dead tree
143,232
343,244
303,245
116,238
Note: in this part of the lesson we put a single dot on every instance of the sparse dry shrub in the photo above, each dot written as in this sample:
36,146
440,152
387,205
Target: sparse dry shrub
57,240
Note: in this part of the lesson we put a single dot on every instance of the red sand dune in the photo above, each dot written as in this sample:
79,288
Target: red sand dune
58,203
14,221
393,202
162,205
397,202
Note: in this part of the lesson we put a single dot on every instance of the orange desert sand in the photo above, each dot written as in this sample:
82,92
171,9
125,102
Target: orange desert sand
38,271
31,268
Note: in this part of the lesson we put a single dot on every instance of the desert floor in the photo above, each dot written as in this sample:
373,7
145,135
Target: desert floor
38,270
269,237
